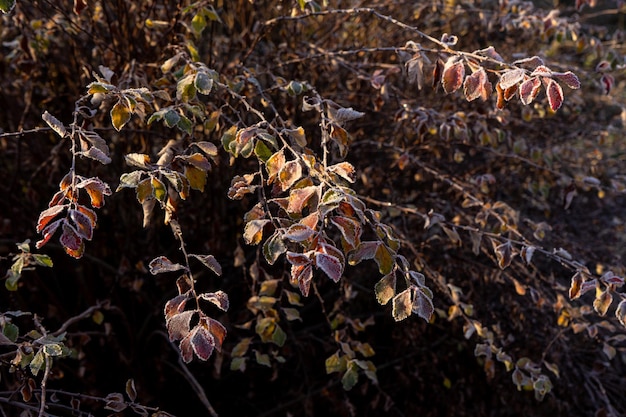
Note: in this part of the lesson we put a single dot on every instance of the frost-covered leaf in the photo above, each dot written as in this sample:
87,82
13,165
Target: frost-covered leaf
185,88
365,250
196,177
529,89
453,75
139,160
289,174
48,232
620,312
346,114
301,275
384,258
504,254
48,214
203,83
331,265
350,229
178,325
298,198
575,286
511,77
402,305
298,233
422,304
568,78
555,95
52,121
477,85
273,247
602,302
120,115
385,289
162,264
83,223
345,170
219,298
210,262
253,231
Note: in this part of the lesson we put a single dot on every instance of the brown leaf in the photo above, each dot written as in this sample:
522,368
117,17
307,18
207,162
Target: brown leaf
452,75
555,95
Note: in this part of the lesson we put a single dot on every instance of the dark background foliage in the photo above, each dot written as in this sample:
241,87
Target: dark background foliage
406,164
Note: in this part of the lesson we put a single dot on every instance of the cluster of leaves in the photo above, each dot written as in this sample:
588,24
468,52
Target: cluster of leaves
422,190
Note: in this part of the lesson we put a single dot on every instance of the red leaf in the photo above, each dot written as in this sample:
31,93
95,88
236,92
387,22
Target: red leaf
568,78
202,343
477,85
607,82
298,259
217,330
330,265
47,215
70,238
529,89
555,95
610,278
96,189
79,5
84,227
541,71
350,229
302,275
175,306
48,232
365,250
453,75
299,197
178,325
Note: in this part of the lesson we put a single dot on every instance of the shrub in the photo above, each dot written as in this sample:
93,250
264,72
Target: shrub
410,200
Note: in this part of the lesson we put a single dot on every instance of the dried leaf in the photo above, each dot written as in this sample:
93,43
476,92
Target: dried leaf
298,198
253,231
504,254
299,233
120,115
576,285
511,77
477,85
84,225
47,215
402,305
602,302
422,304
620,312
302,276
210,262
162,264
289,174
178,325
54,123
385,289
331,265
219,298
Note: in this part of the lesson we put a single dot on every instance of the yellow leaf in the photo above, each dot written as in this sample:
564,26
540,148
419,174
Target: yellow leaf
196,177
120,115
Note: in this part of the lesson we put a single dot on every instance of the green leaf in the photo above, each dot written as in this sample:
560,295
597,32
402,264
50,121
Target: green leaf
53,349
238,364
351,377
185,125
11,280
262,151
185,89
36,364
171,118
198,24
120,115
336,363
273,248
203,83
7,5
11,331
129,180
279,336
160,192
144,190
241,348
262,359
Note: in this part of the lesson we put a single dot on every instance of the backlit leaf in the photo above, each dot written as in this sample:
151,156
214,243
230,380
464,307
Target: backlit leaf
83,223
385,289
331,265
203,83
298,233
96,189
210,262
602,302
262,151
299,197
178,325
202,343
289,174
96,154
345,170
160,192
129,180
302,275
350,229
402,305
139,160
253,232
529,89
452,75
175,305
219,298
274,247
7,5
144,190
422,304
161,264
274,165
47,215
336,363
511,77
185,88
384,259
196,177
555,95
575,286
70,238
48,232
365,250
120,115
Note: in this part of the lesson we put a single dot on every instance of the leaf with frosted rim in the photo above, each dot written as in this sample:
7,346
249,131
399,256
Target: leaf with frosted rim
178,325
298,233
385,289
144,190
203,83
350,229
48,232
298,259
219,298
602,302
274,165
575,286
96,189
71,241
96,154
289,174
299,197
511,77
302,275
504,254
185,88
384,259
345,170
402,305
274,247
120,115
452,76
197,177
620,312
331,265
48,214
162,264
53,122
160,192
477,85
129,180
365,250
568,78
555,95
253,231
210,262
83,223
422,304
175,305
139,160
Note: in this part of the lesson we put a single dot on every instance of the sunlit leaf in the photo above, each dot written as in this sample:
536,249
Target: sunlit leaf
175,305
289,174
422,304
219,298
302,275
529,89
331,265
274,165
83,223
365,250
144,190
48,232
298,198
350,229
120,115
210,262
602,302
385,289
162,264
575,286
298,233
185,88
384,258
196,177
555,95
620,312
52,121
453,75
178,325
504,254
511,77
47,215
336,363
477,85
253,231
138,160
402,305
129,180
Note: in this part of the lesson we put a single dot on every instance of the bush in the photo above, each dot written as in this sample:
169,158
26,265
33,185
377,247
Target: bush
260,208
